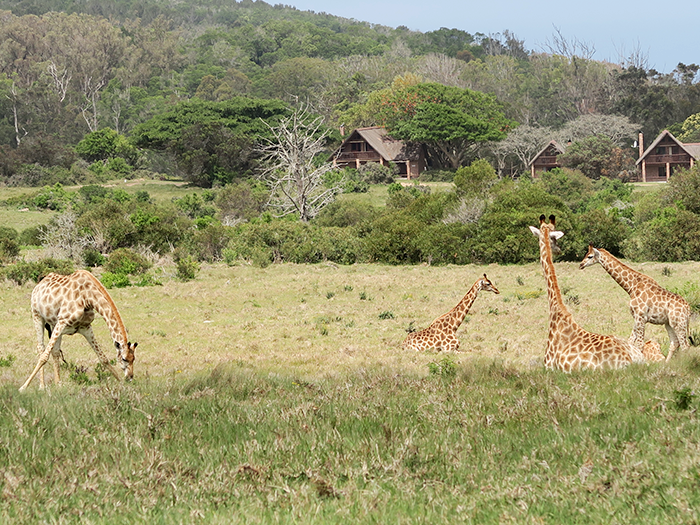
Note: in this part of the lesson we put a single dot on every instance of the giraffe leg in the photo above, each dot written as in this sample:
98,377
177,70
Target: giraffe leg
56,353
637,337
90,336
39,329
44,355
674,342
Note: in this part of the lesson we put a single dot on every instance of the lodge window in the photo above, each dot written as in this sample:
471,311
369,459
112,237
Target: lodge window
356,146
661,150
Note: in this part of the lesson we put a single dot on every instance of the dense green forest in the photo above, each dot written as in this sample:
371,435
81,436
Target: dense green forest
93,90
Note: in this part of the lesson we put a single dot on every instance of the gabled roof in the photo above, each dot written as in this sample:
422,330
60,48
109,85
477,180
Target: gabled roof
389,148
554,143
692,149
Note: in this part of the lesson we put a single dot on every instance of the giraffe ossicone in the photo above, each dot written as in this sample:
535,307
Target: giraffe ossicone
441,334
66,305
649,301
570,347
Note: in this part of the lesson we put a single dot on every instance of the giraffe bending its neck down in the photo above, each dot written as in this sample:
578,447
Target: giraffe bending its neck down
649,302
441,334
65,305
569,346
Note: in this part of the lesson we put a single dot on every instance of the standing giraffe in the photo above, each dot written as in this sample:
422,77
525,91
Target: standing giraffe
569,346
65,305
440,335
649,302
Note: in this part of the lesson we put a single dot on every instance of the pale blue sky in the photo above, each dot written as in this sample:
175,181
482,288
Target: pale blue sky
667,33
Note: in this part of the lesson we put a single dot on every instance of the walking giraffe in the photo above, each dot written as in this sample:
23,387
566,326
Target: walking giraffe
649,302
569,346
441,334
65,305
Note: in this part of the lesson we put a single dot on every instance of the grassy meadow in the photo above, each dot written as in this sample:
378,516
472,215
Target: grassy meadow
281,395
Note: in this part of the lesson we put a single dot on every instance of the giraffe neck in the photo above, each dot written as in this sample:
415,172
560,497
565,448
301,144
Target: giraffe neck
557,311
623,275
104,305
455,317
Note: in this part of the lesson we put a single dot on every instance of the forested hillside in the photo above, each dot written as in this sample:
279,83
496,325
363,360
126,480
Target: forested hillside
92,91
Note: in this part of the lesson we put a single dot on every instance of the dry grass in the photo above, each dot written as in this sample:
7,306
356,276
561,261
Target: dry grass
321,320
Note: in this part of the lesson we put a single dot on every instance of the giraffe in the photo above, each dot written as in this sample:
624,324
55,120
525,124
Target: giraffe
65,305
569,346
441,334
649,302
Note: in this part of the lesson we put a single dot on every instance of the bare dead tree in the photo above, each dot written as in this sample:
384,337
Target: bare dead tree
62,239
61,80
15,114
91,90
560,45
636,58
296,181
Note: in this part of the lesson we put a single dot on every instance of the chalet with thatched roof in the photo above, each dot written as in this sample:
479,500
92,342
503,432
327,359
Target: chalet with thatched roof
666,155
375,145
546,159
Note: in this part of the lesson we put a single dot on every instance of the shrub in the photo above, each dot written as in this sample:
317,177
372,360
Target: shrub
23,271
187,268
126,261
92,258
115,280
31,236
375,173
475,179
207,243
9,247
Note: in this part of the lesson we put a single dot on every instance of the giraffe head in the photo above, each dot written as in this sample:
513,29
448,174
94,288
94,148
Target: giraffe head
125,356
549,231
592,257
485,284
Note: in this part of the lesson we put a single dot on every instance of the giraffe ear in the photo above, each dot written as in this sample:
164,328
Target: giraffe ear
556,235
535,231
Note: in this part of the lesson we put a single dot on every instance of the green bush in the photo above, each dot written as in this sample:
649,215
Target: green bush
92,258
375,173
9,246
187,268
115,280
31,236
126,261
288,241
23,271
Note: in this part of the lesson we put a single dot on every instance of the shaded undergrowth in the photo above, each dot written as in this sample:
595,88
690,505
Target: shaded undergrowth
485,443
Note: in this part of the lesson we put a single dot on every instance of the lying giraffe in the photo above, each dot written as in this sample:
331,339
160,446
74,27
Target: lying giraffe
441,334
569,346
65,305
649,302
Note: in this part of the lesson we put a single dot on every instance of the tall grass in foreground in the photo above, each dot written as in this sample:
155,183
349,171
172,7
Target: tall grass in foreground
481,442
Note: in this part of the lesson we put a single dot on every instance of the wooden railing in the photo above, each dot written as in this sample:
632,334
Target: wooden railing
362,155
680,158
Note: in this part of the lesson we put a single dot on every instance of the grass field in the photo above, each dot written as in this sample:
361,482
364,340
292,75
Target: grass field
281,395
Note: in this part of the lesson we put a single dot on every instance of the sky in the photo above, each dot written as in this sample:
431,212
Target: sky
665,34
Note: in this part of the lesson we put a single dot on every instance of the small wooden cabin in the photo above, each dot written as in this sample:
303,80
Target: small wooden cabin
374,144
546,159
665,155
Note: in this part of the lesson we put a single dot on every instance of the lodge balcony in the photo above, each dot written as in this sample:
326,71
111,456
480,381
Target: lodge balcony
680,158
362,156
546,161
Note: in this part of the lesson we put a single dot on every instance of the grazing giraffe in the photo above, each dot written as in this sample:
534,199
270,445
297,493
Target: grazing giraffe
441,334
649,302
569,346
65,305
